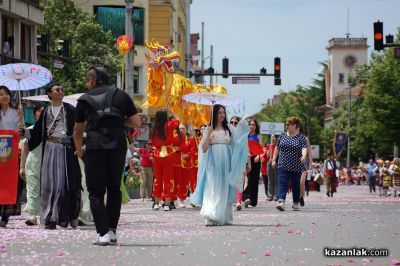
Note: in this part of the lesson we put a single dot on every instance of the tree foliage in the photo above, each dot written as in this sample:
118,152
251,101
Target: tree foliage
90,44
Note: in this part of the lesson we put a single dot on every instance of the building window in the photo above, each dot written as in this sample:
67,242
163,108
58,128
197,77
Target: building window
7,34
26,42
113,18
341,78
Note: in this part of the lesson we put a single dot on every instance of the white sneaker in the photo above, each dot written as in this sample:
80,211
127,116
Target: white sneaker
180,204
246,203
102,240
281,206
113,237
296,207
167,208
156,207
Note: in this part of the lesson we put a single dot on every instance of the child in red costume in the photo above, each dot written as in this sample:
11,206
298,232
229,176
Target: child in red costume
194,155
185,166
162,136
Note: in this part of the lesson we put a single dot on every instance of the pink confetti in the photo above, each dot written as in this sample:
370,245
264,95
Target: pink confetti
290,231
313,223
338,224
243,251
395,262
278,225
61,253
267,253
120,245
350,260
367,260
3,248
298,232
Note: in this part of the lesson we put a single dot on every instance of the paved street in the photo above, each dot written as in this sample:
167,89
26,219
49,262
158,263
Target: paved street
259,236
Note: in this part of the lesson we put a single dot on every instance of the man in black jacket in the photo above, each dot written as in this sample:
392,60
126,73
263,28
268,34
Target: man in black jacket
106,111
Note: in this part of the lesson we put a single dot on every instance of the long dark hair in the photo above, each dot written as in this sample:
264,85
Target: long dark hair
8,92
257,131
159,125
215,118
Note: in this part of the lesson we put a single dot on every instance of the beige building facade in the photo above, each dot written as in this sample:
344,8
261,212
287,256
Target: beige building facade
343,56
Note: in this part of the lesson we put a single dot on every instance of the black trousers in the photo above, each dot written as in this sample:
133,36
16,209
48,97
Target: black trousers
265,179
251,192
103,169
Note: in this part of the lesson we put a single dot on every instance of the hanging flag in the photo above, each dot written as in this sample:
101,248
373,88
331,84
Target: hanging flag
8,166
339,143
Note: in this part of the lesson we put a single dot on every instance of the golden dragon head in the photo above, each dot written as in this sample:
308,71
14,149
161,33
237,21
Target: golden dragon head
159,56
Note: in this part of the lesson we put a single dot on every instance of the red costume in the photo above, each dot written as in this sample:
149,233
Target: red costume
186,166
163,162
177,163
194,155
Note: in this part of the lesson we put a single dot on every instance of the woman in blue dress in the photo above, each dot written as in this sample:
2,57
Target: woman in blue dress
223,155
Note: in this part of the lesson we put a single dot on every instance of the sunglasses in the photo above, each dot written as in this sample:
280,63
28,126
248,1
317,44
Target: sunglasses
234,123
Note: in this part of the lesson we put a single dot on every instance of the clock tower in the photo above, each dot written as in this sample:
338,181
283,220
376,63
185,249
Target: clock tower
343,55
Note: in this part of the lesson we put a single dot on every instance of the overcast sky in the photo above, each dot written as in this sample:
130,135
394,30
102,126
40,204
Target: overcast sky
252,32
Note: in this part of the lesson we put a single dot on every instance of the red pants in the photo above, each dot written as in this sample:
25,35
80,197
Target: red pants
184,183
163,177
193,178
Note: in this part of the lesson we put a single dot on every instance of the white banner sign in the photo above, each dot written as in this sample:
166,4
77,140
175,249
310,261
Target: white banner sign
269,128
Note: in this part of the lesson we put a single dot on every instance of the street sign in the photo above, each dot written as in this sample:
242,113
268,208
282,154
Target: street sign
245,80
269,128
58,64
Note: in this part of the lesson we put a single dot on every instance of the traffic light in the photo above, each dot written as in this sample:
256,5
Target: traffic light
378,36
42,43
263,71
63,48
277,71
277,67
389,39
225,67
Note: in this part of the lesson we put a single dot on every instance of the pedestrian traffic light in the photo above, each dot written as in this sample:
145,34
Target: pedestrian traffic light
42,43
277,67
63,48
378,36
225,67
263,71
389,39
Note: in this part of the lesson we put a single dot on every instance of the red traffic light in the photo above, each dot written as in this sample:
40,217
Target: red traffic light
378,36
277,67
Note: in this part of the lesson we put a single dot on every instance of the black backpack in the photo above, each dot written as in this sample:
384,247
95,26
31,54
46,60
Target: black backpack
102,107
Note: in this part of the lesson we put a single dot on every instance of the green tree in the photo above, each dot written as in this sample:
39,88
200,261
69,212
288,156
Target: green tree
90,44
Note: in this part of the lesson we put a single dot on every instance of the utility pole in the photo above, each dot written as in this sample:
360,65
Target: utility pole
202,50
349,127
211,62
129,58
187,39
